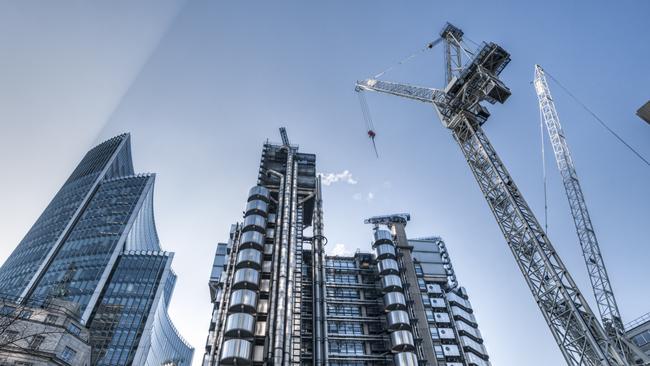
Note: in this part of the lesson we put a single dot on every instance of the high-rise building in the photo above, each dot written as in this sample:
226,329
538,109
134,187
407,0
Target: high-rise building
96,245
279,300
638,331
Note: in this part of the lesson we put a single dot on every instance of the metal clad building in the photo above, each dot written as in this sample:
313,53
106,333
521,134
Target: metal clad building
279,300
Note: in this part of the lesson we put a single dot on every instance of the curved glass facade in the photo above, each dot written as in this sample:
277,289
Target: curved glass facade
20,269
166,346
90,245
96,245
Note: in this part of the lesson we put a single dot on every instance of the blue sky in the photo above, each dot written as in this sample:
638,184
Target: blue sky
202,84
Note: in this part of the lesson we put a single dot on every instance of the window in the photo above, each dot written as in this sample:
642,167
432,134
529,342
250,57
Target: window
418,270
341,263
439,353
642,339
335,327
74,328
51,319
434,333
343,293
430,316
425,299
7,310
346,347
68,354
421,284
343,310
341,278
36,341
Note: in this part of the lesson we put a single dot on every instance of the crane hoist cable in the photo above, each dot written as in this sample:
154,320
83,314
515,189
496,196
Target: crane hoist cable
599,120
367,119
365,111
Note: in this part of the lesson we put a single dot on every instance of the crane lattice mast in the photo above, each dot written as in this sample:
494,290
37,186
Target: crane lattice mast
605,300
576,330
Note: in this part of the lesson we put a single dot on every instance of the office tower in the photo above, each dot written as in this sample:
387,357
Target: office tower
96,245
279,300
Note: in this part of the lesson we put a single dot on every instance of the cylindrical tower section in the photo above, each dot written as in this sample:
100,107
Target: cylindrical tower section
397,319
239,329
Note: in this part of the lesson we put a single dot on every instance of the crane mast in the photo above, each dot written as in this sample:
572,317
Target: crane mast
576,330
602,288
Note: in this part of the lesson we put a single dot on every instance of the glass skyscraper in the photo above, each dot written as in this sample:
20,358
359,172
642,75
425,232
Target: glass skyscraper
280,301
96,245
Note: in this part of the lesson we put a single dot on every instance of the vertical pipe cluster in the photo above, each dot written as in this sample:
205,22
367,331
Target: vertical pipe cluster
397,319
240,323
293,242
320,351
282,301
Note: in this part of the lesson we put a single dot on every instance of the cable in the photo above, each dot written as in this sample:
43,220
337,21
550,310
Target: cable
602,123
428,46
541,134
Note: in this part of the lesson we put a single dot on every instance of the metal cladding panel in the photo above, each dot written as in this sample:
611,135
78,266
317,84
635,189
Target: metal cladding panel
385,251
263,306
251,239
394,301
236,352
388,266
398,320
402,340
259,192
246,278
390,283
258,207
258,354
243,301
405,359
446,333
474,346
434,288
458,312
266,266
260,329
442,317
240,325
454,298
450,350
474,360
383,237
249,258
268,248
255,222
437,302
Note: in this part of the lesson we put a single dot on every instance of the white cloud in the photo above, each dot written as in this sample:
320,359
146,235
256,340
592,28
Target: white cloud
340,249
345,177
370,196
357,196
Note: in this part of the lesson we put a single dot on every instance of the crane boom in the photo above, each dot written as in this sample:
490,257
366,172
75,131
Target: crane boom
577,332
602,288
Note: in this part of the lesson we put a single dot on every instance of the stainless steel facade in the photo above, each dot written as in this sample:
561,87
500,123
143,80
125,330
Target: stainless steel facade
96,245
279,300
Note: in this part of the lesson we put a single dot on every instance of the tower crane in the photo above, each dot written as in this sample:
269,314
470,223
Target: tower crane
579,335
605,300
